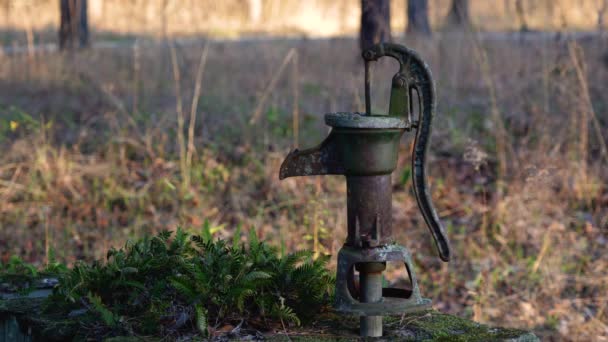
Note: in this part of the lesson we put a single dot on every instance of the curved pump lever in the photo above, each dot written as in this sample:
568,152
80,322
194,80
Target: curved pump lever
418,76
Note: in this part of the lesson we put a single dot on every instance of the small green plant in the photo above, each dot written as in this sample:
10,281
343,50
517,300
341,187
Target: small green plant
17,275
14,121
172,283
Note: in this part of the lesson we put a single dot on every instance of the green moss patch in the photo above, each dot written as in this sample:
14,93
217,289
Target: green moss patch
435,326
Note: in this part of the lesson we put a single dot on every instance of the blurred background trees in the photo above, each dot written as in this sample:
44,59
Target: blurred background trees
40,19
418,17
74,27
459,13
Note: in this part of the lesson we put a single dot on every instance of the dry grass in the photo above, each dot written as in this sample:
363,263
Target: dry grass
80,171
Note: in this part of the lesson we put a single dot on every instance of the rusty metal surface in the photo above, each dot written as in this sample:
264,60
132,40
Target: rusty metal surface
368,203
320,160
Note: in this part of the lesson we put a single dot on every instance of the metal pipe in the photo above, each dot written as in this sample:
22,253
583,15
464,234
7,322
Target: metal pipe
370,280
369,215
368,95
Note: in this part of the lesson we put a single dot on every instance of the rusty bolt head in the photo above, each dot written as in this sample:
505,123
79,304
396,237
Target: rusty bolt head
369,54
399,81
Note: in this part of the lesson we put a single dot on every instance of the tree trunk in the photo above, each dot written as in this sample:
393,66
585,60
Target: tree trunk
74,28
521,15
375,22
459,13
418,17
600,15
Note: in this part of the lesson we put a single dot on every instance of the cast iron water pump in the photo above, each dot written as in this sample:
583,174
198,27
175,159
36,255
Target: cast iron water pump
364,148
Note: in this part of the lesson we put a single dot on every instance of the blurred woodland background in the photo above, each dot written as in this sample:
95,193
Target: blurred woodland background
313,18
180,112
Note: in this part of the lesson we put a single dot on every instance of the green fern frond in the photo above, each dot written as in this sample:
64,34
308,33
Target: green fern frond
201,319
206,231
236,237
253,238
184,287
286,314
242,295
180,241
256,275
130,283
106,315
165,235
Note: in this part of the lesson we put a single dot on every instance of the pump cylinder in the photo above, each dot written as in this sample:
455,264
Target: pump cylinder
369,202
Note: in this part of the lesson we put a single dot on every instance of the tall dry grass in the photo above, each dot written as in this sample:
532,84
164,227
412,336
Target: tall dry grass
97,148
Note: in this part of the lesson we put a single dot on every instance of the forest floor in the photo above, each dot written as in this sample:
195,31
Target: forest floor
102,145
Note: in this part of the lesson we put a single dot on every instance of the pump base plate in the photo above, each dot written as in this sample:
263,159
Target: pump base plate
394,301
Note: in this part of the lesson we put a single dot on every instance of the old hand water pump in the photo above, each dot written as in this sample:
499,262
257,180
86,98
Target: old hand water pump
364,148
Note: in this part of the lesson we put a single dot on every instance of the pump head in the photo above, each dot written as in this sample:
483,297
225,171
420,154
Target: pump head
367,144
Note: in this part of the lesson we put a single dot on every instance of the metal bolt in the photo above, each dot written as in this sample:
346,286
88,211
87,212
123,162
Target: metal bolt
399,81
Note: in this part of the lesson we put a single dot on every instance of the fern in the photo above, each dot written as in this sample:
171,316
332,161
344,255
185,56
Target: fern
185,288
201,320
285,313
141,285
106,315
257,275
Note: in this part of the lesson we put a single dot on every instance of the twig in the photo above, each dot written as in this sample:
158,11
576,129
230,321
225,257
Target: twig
180,113
285,330
271,85
296,113
193,107
136,72
543,250
579,67
12,184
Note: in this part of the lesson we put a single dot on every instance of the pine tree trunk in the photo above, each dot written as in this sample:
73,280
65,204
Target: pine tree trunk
375,22
74,29
418,17
459,13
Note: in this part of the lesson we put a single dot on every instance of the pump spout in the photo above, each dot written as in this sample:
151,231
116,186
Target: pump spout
323,159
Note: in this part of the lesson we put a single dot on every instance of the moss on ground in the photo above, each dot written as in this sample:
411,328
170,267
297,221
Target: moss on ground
436,326
116,300
424,326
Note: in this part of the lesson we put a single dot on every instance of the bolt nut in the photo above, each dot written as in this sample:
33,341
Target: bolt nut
369,54
399,81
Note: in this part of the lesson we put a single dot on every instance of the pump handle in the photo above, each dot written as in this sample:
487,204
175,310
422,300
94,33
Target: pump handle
419,79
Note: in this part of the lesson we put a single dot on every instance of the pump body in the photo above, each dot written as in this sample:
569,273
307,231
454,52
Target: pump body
364,148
